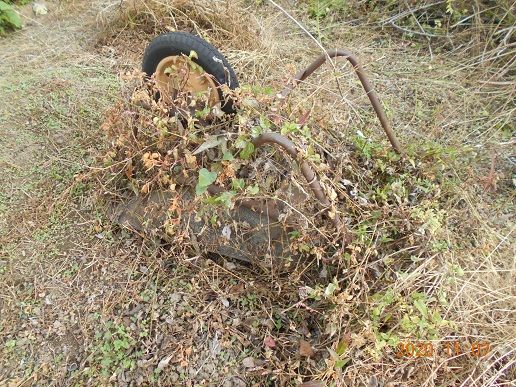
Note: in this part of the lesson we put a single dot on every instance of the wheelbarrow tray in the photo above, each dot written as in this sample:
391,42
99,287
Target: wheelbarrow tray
243,233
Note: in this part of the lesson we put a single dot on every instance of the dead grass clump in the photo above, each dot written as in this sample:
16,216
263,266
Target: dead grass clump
478,35
480,30
222,23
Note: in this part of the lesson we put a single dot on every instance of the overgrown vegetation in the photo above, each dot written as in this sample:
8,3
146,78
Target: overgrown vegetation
398,211
429,263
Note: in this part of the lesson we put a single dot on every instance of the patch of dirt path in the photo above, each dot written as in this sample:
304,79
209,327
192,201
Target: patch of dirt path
53,88
80,302
48,71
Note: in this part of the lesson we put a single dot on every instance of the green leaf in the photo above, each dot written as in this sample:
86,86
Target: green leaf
241,142
456,269
339,364
330,289
193,55
4,6
228,156
421,306
247,151
294,234
256,131
436,317
226,199
238,184
10,343
127,363
206,178
8,14
312,155
119,344
203,114
289,127
442,297
342,347
253,189
14,19
418,296
265,123
406,324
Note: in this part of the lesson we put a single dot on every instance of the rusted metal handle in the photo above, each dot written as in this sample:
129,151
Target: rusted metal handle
302,75
308,173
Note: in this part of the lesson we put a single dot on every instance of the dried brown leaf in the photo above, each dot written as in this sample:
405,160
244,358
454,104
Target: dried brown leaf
305,348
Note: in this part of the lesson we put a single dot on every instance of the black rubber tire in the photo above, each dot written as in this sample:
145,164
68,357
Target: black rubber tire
209,58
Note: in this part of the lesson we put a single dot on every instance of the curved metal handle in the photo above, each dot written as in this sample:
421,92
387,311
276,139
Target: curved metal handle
308,173
302,75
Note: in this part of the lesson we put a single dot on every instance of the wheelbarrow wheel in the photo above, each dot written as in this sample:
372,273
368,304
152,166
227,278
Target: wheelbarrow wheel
169,50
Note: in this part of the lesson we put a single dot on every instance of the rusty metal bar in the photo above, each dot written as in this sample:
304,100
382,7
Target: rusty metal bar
308,173
289,146
302,75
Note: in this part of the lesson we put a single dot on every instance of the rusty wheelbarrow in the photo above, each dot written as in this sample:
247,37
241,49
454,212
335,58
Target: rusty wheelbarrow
166,60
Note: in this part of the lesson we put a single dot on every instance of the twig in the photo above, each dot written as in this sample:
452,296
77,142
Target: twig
427,34
422,30
405,13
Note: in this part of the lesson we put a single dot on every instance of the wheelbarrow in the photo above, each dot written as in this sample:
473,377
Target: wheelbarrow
167,62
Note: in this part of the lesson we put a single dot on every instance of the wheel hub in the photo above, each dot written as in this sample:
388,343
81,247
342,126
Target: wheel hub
179,74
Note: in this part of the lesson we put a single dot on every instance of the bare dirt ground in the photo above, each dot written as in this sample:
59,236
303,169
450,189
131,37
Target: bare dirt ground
82,302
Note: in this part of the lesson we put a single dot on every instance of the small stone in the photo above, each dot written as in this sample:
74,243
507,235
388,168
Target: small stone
248,362
39,9
164,362
224,302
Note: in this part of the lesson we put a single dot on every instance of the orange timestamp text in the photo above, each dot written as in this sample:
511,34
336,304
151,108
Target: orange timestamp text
448,348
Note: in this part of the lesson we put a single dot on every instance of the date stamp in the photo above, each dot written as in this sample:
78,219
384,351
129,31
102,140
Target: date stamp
447,348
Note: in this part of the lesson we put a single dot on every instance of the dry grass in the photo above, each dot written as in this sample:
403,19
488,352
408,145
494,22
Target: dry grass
458,129
432,233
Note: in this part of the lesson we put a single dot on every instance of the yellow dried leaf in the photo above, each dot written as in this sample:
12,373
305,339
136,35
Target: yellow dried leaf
191,160
146,188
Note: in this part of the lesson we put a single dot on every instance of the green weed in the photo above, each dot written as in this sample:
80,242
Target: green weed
9,19
113,351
